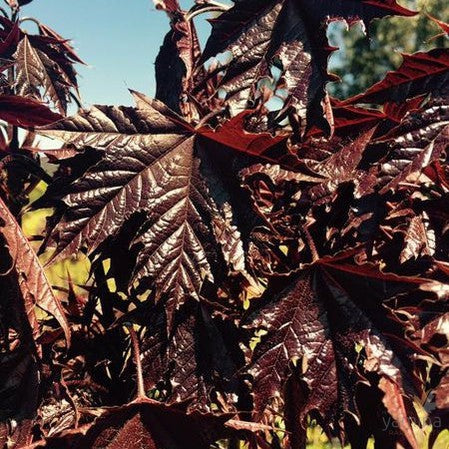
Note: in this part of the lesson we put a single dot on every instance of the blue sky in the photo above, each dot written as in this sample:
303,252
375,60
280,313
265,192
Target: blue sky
119,39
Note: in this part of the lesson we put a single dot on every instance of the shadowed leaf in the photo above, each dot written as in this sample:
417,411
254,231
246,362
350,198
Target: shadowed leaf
33,282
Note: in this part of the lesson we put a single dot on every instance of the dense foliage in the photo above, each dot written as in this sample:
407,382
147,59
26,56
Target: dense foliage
263,255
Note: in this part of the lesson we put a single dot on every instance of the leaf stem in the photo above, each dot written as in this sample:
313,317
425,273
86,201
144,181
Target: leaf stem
30,19
312,246
14,143
137,362
210,8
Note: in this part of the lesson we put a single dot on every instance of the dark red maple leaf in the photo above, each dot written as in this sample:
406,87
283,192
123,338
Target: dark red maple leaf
198,359
177,60
352,119
313,328
177,204
420,73
44,64
145,423
10,36
177,240
33,283
25,112
410,155
289,36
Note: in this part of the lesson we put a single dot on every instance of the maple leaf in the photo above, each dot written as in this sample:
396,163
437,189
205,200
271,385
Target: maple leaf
199,357
150,164
148,423
64,44
175,75
34,285
287,35
313,327
22,111
44,65
419,74
34,70
351,119
23,285
19,369
10,36
415,144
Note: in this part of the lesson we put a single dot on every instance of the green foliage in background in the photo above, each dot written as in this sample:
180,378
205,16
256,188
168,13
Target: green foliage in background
75,268
364,59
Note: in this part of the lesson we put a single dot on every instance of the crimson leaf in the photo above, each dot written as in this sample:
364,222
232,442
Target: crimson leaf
22,111
420,73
